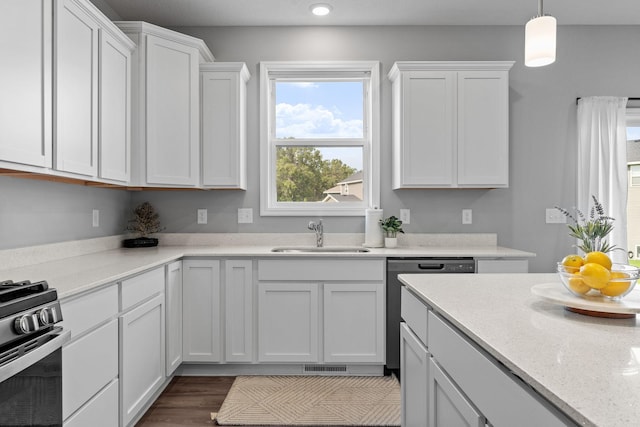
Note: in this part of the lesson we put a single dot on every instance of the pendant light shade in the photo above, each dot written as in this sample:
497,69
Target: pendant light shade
540,40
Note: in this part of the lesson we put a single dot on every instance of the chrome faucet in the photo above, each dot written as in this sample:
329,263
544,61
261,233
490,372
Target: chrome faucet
319,229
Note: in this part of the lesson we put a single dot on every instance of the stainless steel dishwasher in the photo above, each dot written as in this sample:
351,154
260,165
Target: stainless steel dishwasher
396,266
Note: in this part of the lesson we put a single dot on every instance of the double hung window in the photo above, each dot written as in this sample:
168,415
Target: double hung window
319,138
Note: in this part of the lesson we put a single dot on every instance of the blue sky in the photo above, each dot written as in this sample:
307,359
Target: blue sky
633,133
322,110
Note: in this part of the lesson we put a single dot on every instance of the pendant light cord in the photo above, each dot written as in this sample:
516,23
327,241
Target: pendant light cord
540,13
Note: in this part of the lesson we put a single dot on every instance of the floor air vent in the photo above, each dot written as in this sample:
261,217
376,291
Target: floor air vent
324,369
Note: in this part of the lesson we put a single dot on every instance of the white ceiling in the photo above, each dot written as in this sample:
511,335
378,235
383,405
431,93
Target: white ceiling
374,12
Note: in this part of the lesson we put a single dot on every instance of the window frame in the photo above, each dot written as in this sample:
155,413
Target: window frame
318,70
632,119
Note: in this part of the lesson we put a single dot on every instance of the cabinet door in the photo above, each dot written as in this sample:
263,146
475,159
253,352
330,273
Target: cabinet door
424,129
76,89
238,321
142,354
414,379
88,365
172,113
288,322
354,322
223,128
115,111
483,128
100,411
173,294
25,82
448,407
201,311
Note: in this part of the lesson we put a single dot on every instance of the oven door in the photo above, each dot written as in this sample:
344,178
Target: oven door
31,381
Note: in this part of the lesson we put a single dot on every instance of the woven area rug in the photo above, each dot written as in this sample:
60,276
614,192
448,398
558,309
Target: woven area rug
312,400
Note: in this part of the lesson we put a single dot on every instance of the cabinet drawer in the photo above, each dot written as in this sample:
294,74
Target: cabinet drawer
415,314
325,269
88,364
101,411
142,287
498,394
86,311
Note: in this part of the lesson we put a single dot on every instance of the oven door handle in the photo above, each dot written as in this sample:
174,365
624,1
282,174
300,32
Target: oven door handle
23,362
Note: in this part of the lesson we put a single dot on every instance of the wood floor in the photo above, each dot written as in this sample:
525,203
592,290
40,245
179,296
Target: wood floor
188,401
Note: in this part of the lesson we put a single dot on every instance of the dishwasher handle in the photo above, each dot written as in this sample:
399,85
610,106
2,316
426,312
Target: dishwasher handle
439,266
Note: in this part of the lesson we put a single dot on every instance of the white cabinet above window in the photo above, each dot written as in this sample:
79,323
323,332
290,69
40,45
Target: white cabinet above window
450,124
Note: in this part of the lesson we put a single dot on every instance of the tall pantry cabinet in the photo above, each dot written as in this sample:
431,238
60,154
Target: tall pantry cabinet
166,141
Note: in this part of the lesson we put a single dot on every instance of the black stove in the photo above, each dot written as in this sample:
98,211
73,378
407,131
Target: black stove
30,355
27,311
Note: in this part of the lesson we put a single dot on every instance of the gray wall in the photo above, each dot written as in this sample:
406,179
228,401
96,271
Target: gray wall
592,60
40,212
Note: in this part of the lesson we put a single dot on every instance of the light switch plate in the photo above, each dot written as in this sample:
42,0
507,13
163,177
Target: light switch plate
96,218
405,216
554,216
245,215
202,216
467,216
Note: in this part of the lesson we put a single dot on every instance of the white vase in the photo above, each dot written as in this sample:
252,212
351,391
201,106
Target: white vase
390,242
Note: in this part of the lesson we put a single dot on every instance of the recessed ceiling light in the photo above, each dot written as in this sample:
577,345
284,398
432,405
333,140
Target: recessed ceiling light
320,9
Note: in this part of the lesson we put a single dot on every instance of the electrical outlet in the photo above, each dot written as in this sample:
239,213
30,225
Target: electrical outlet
202,216
245,215
554,216
96,218
467,216
405,216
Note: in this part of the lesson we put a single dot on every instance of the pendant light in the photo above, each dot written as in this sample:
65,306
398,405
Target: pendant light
540,40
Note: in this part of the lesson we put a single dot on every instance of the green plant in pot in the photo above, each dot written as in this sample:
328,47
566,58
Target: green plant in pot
391,227
144,223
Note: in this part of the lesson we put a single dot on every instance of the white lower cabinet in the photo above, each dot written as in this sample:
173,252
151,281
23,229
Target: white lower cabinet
448,407
288,322
238,304
173,294
201,311
448,381
142,350
414,379
88,365
354,322
321,311
99,411
90,359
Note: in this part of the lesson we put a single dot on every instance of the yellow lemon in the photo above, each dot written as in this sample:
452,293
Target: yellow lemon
598,258
595,275
577,285
572,263
616,287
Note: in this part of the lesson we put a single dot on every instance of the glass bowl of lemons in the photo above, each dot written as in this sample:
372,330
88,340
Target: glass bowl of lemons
595,275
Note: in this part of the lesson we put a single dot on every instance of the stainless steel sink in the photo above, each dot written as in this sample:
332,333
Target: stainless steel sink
324,249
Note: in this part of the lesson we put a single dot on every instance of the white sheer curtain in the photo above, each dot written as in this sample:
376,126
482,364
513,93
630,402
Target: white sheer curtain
602,163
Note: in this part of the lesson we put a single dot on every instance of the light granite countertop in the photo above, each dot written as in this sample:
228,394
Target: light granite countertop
589,367
77,267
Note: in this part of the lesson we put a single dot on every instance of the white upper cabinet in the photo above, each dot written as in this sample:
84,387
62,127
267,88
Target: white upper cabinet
166,141
25,82
114,139
223,125
450,124
76,88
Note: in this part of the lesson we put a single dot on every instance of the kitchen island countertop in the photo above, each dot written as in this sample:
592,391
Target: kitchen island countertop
588,367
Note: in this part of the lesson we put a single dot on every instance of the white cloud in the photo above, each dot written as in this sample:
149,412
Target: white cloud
305,85
305,121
